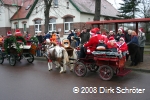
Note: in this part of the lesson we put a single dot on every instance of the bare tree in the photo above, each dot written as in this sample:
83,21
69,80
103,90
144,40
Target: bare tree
144,7
48,4
97,10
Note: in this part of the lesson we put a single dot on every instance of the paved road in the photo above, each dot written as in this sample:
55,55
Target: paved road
34,82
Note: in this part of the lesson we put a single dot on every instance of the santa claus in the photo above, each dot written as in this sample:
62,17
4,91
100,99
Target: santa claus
111,44
18,33
9,34
93,42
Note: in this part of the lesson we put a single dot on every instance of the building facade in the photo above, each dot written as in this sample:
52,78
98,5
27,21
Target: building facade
65,15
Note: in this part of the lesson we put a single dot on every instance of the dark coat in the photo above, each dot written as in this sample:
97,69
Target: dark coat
69,36
134,52
85,36
118,36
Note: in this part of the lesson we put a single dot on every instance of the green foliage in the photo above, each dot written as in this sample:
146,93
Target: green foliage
13,39
128,9
34,39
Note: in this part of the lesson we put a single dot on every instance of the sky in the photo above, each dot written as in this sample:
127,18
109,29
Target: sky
115,3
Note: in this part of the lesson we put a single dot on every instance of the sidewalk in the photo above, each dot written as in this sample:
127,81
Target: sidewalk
143,66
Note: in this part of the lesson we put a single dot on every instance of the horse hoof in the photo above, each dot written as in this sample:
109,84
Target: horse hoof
50,69
65,71
61,72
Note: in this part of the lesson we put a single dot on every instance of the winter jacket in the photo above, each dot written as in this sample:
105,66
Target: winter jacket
85,36
142,39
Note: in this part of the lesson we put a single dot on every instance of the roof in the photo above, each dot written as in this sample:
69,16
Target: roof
10,2
22,12
120,21
83,6
88,6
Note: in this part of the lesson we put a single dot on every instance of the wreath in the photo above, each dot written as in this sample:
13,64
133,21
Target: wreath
34,40
13,39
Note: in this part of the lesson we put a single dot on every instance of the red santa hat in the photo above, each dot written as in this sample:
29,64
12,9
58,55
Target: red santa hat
111,38
121,39
120,29
9,33
18,31
141,29
111,31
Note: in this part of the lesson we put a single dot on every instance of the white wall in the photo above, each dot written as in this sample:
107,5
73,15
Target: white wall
6,13
20,23
57,12
86,17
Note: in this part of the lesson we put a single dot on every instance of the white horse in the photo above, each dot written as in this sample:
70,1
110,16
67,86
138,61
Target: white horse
59,56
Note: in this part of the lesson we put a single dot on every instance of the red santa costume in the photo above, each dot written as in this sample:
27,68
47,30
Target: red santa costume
93,42
122,46
111,43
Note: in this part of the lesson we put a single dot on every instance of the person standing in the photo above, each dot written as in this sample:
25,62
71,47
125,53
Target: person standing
134,50
119,34
141,40
85,36
70,35
40,39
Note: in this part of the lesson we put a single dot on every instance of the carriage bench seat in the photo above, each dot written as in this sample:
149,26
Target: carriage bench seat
26,46
107,53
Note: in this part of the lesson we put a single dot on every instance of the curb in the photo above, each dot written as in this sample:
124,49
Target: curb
132,68
40,58
139,69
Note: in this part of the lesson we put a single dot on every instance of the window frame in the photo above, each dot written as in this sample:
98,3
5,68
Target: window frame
55,2
39,26
24,26
69,25
53,24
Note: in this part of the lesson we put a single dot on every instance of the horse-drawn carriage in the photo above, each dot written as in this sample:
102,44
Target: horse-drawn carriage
108,63
14,49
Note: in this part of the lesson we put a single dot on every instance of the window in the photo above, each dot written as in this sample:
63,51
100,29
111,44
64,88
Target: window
16,25
55,3
68,24
28,7
52,24
25,27
38,25
67,5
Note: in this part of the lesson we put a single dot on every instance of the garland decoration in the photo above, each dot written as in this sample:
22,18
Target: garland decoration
22,39
34,39
13,39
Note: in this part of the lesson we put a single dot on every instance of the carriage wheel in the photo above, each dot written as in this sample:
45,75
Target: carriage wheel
80,69
105,72
12,60
93,67
31,58
1,58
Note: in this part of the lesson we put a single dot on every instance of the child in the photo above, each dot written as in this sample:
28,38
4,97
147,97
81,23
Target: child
122,46
111,44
